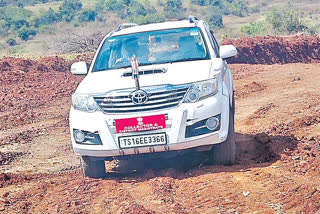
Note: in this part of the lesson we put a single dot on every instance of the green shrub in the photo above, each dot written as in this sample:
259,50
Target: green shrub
311,27
4,27
136,9
173,9
149,18
284,21
10,13
69,9
238,8
20,23
26,32
49,29
87,16
12,41
199,2
46,18
3,3
254,29
49,17
279,21
115,5
215,17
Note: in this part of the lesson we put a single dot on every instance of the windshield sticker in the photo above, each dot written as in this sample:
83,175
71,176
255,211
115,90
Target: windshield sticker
111,39
194,33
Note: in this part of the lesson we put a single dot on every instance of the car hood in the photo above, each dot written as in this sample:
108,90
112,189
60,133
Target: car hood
176,73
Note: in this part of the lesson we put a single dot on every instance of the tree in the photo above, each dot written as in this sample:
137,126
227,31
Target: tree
149,18
25,33
10,13
3,3
292,22
12,42
199,2
79,43
239,8
173,5
69,9
274,19
135,9
87,16
173,9
4,27
50,16
115,5
46,18
254,29
20,23
215,17
284,21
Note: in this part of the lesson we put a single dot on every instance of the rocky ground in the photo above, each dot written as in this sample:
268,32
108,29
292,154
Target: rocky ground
277,136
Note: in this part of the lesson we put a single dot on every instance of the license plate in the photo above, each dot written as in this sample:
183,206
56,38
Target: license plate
142,140
139,124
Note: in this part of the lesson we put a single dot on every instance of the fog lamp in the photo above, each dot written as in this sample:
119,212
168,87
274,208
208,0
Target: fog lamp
212,123
79,136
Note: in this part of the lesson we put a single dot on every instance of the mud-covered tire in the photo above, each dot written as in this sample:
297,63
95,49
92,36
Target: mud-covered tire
224,153
92,168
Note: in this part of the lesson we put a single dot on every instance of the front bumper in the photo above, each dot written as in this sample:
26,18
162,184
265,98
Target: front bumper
178,119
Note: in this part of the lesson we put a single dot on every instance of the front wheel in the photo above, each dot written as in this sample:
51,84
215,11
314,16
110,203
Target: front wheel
224,153
92,168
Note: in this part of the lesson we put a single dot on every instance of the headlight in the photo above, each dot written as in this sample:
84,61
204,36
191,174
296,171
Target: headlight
201,90
84,102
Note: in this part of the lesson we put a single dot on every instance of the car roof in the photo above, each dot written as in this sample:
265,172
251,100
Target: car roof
155,26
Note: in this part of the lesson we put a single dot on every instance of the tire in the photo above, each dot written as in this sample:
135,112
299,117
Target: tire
92,168
224,153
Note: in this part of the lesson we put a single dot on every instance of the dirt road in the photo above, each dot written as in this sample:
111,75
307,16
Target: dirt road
276,171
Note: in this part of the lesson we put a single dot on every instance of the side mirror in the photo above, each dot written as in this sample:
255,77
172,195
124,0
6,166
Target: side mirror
79,68
227,51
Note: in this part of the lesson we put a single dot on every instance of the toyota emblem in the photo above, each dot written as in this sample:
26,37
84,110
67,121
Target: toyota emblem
139,97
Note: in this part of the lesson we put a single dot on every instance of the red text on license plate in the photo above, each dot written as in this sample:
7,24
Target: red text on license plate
139,124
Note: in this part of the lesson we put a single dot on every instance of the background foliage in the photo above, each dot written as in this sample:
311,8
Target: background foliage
24,21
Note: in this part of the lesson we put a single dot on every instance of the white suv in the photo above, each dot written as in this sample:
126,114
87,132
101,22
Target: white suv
154,88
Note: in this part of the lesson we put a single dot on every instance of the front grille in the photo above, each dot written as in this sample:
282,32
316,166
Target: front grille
159,97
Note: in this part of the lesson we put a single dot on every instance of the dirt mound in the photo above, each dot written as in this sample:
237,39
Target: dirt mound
28,84
7,157
53,64
7,179
272,49
22,137
248,89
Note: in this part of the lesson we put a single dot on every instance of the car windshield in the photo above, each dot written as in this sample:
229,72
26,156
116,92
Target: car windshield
152,47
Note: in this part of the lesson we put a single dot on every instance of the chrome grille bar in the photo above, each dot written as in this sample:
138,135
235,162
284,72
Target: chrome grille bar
152,102
140,107
159,97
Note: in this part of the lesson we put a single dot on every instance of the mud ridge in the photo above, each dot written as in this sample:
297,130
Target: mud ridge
272,49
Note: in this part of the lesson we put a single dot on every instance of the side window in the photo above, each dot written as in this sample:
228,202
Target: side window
212,41
216,44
